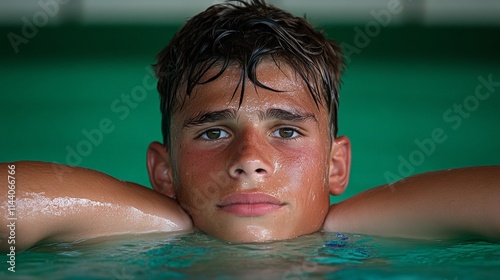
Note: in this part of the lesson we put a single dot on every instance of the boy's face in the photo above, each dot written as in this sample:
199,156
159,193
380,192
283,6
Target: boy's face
260,171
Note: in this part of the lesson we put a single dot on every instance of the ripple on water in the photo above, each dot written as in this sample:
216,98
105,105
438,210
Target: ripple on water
315,256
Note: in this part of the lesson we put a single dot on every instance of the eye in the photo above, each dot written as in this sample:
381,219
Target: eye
286,132
214,134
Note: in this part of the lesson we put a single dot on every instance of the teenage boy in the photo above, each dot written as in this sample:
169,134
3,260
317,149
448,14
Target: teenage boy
249,100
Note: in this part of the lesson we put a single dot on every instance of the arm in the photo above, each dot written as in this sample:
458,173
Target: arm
60,203
458,203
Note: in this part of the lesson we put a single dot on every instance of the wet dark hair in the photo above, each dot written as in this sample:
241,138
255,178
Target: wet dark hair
246,32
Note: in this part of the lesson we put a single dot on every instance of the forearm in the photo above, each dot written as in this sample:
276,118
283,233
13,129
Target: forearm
459,203
60,203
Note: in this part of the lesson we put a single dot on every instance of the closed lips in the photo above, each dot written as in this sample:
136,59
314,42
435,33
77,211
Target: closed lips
249,198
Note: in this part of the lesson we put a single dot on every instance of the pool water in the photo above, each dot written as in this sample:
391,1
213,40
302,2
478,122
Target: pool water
317,256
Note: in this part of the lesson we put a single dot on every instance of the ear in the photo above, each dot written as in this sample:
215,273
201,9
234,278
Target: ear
160,169
340,165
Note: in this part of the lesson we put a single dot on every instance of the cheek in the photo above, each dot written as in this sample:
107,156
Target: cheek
310,191
195,164
195,173
306,169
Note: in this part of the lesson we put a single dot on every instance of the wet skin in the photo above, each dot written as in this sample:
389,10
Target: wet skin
256,172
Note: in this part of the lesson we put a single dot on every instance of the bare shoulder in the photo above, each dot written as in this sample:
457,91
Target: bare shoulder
454,203
56,202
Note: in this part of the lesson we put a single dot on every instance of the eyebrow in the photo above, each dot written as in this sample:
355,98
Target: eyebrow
281,114
209,117
228,114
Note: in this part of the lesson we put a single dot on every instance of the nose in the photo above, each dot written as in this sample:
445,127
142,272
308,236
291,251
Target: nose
252,157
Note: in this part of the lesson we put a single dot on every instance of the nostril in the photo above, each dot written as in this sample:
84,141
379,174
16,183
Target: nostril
247,172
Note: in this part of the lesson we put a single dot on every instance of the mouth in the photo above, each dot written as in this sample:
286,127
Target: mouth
250,204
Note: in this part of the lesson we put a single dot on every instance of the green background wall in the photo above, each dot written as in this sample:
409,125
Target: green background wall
398,89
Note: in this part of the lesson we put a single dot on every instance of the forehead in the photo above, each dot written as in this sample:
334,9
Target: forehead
282,82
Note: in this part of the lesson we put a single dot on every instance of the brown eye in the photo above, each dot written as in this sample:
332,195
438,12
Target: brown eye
214,134
286,133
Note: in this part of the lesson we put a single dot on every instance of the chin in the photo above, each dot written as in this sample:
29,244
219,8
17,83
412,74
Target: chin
258,234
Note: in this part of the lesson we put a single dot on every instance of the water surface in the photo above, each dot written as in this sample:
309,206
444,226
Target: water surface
316,256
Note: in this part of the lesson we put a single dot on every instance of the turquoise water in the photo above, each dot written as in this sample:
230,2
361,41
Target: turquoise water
317,256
